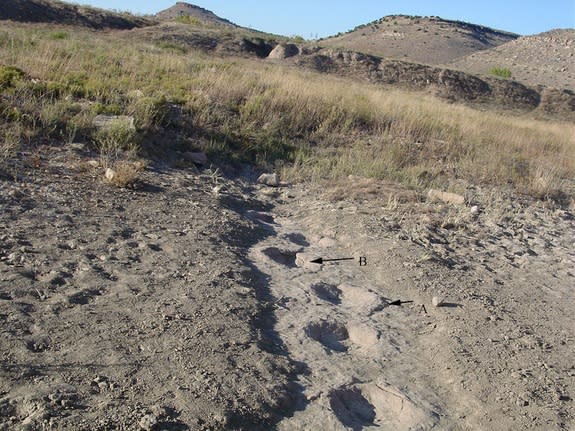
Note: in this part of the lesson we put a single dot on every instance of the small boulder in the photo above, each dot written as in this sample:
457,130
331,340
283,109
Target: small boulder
271,180
284,50
110,174
107,122
448,198
148,422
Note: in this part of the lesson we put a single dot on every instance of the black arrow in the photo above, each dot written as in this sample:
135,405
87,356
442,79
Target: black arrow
399,302
321,260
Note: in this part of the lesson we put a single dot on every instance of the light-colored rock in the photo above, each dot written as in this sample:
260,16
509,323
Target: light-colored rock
449,198
271,180
136,94
303,260
107,122
93,163
284,50
148,422
110,174
360,298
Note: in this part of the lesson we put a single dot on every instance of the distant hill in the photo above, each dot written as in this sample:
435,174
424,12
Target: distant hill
428,40
182,9
543,59
53,11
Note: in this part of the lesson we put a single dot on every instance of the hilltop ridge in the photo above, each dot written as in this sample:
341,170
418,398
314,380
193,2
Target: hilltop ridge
429,40
58,12
183,9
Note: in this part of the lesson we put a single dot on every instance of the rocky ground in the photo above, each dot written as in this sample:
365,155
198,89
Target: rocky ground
191,302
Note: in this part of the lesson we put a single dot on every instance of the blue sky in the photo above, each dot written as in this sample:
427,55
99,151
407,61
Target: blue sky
312,18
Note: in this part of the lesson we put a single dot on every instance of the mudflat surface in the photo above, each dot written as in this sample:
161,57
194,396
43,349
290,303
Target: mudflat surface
192,302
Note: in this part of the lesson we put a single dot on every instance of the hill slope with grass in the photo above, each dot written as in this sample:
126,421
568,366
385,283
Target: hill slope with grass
57,12
429,40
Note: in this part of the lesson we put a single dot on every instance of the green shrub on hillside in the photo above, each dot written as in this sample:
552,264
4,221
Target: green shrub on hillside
9,75
191,20
58,35
114,141
501,72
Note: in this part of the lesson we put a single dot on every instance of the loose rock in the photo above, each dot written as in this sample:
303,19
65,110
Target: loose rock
148,422
449,198
110,174
107,122
271,180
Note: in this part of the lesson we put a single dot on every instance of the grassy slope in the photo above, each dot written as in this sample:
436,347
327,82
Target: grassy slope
310,125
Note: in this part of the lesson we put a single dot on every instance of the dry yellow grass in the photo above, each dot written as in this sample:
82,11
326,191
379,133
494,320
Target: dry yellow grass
124,174
309,125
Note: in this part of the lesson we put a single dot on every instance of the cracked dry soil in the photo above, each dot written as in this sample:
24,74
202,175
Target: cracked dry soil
171,307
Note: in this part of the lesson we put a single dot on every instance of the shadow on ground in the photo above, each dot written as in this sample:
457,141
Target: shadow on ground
243,238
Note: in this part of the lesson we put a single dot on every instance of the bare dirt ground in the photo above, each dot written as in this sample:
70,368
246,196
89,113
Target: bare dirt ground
191,303
130,310
498,353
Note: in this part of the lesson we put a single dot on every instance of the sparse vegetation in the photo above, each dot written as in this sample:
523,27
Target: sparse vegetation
116,141
9,75
296,38
58,35
191,20
310,126
125,174
501,72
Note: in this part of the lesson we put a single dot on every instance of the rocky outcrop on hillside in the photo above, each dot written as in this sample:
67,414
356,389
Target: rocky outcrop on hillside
451,84
284,50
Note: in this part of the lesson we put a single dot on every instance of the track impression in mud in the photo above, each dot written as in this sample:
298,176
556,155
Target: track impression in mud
367,405
329,317
352,408
330,334
281,256
327,292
